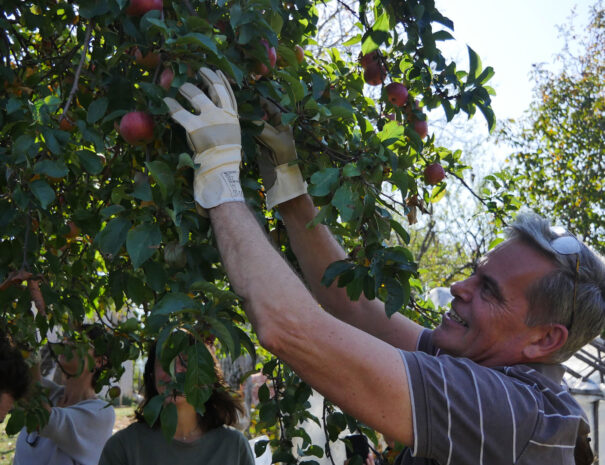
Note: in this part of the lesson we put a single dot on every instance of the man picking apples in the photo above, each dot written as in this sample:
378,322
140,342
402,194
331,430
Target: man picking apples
482,388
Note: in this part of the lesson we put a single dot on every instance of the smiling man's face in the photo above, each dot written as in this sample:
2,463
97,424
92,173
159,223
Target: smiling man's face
487,320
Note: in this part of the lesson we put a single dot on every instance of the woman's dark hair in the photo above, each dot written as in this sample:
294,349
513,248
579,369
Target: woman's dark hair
14,373
222,407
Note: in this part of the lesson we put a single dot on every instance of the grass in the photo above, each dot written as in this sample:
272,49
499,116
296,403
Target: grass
7,443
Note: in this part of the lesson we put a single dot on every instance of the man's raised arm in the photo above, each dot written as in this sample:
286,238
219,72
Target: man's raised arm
315,247
362,374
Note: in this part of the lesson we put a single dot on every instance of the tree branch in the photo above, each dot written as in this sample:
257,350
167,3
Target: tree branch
74,87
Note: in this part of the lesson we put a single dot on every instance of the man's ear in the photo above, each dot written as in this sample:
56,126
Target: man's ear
546,340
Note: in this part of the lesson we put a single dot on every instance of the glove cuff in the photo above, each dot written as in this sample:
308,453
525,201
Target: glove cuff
289,184
217,178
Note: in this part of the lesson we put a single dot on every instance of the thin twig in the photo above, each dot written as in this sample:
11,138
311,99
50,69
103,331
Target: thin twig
325,427
74,87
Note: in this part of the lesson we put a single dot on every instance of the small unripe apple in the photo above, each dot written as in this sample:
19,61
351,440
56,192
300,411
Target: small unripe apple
140,7
114,392
374,75
166,78
421,127
434,174
300,53
136,128
397,94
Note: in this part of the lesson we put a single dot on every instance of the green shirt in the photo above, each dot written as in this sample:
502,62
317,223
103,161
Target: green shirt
140,445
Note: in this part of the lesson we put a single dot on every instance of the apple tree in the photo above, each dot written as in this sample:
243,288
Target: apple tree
560,149
97,218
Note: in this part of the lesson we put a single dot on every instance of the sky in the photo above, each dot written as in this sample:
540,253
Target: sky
510,36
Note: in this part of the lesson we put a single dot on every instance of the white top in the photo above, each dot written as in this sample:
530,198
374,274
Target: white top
74,435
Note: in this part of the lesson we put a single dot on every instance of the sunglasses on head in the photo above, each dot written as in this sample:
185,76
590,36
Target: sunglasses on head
567,244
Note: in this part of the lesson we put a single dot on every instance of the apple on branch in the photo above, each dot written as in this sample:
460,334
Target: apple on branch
262,68
397,94
136,128
166,78
434,174
140,7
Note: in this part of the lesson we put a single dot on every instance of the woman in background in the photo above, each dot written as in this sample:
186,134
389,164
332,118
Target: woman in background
206,439
79,422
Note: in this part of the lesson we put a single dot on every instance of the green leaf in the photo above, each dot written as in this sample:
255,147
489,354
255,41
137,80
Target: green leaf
294,86
474,65
442,35
268,413
352,41
224,335
395,297
391,133
335,269
197,39
51,168
346,202
90,161
324,181
142,243
488,113
259,447
96,110
152,410
43,192
185,161
400,179
400,230
351,170
172,303
163,175
169,419
112,237
486,75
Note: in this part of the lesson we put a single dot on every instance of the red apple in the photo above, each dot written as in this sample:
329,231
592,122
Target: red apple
300,53
374,74
140,7
421,127
136,128
166,78
221,25
260,67
397,94
369,59
148,61
434,174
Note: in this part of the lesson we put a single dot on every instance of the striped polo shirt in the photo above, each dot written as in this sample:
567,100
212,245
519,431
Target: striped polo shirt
468,414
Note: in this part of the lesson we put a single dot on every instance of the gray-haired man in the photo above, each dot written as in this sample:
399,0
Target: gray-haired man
483,388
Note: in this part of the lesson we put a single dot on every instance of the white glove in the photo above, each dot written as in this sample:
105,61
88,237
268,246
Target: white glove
277,163
214,136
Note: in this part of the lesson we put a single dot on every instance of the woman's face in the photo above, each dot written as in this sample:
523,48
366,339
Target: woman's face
162,378
71,363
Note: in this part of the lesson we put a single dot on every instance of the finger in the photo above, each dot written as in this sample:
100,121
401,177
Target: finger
198,99
229,90
184,117
173,105
273,112
217,90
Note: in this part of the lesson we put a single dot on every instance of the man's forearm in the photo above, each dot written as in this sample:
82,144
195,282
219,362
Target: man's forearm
316,248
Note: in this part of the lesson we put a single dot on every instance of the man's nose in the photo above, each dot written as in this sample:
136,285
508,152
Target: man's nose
463,289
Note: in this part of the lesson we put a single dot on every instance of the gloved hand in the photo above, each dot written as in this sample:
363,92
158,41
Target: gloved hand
214,136
281,175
